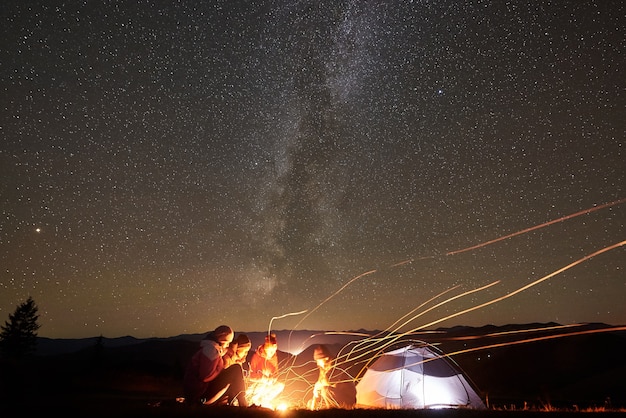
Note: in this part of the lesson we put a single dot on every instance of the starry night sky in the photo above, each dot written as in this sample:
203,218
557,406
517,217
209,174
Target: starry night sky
169,166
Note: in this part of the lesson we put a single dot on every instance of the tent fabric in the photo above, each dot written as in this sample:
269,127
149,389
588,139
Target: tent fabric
415,377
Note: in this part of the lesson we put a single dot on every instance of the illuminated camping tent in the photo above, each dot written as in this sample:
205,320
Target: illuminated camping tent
415,377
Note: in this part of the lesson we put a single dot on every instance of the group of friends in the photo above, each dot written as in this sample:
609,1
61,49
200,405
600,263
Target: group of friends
217,372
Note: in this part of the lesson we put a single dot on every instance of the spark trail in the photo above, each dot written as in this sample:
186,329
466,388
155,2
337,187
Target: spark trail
534,228
364,348
474,247
517,291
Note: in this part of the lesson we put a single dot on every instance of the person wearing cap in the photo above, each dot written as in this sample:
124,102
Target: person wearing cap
207,380
237,351
334,387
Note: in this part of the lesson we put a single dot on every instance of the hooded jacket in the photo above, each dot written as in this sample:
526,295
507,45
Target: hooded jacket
206,364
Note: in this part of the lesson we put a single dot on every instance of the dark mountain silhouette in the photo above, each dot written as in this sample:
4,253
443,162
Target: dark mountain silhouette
290,341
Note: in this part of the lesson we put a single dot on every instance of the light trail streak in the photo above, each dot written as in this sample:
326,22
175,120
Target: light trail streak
503,333
365,346
510,343
534,339
484,244
533,228
393,338
528,286
335,294
269,330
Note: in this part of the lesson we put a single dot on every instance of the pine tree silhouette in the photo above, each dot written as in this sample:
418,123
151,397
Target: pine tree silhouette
18,337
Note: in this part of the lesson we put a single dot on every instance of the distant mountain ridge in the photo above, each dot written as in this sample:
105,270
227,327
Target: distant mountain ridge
289,341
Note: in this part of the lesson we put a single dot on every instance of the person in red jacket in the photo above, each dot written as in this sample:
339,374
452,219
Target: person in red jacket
207,380
264,361
263,374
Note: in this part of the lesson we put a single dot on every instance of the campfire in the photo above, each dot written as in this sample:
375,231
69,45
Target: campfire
264,392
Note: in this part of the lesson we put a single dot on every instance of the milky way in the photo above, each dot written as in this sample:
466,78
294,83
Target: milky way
167,167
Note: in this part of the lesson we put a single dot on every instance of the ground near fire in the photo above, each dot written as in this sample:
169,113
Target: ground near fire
549,368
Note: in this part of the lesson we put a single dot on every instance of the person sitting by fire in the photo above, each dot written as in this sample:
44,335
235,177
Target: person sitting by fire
263,373
237,351
334,387
264,362
207,380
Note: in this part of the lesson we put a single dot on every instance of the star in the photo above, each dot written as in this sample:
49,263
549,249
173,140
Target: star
193,163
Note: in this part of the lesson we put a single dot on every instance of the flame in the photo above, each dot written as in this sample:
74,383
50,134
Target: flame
282,407
263,392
